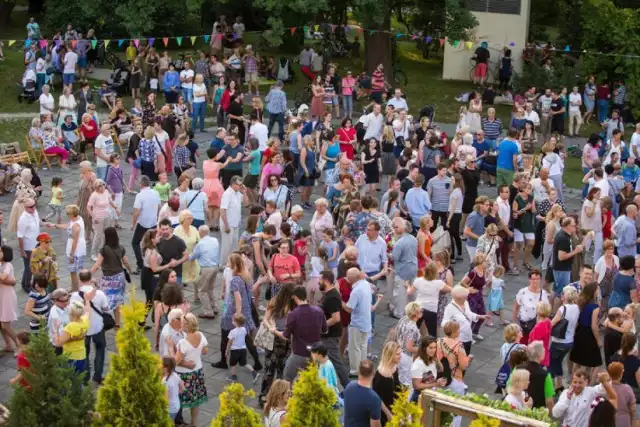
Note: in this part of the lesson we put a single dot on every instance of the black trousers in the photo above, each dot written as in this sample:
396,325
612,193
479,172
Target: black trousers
430,320
138,234
442,216
26,275
454,233
227,175
250,347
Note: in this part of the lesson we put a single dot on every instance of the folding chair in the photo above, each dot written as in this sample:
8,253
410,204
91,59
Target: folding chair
39,155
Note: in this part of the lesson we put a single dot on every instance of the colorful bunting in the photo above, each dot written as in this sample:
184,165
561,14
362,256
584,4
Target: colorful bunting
11,42
106,43
179,40
427,39
43,44
120,43
27,43
136,42
399,35
94,43
456,43
207,37
469,45
567,48
512,44
74,43
193,40
150,41
372,32
293,30
315,27
165,40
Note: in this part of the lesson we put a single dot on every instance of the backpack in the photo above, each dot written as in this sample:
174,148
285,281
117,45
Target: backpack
447,369
505,370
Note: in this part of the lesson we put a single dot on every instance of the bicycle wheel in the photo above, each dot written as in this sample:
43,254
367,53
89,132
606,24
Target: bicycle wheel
472,72
303,96
400,77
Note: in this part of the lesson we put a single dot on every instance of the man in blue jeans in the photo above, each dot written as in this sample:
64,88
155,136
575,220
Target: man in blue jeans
276,106
563,253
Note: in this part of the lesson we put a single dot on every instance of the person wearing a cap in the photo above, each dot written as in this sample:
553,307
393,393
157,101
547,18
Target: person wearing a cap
276,107
58,316
44,261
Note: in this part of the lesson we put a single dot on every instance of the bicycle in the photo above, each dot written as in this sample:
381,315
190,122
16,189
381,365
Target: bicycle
399,76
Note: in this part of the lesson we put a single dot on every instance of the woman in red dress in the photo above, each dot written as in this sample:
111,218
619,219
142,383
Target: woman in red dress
347,136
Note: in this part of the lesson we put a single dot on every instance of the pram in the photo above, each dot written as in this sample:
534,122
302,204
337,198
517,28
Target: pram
28,92
120,81
428,111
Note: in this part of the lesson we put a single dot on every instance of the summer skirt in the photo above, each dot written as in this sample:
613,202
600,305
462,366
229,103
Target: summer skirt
195,391
113,288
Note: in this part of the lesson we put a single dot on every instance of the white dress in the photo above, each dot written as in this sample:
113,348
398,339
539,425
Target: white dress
8,298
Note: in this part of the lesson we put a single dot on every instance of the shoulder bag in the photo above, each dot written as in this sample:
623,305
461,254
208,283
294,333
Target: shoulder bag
193,198
161,161
264,338
107,319
559,330
527,325
127,276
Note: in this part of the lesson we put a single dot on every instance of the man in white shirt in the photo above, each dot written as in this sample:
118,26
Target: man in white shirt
541,186
145,216
58,316
504,212
575,101
545,110
595,178
259,131
238,28
171,333
635,143
99,305
398,102
69,71
575,404
28,230
186,83
234,197
103,151
374,122
531,115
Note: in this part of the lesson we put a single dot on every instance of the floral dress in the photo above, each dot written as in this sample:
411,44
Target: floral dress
488,246
23,191
476,301
443,298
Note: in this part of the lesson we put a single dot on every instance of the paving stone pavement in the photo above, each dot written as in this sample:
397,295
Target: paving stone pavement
480,376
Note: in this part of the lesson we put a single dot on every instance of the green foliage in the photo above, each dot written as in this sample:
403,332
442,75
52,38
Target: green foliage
485,421
311,404
233,411
562,75
405,413
133,393
56,398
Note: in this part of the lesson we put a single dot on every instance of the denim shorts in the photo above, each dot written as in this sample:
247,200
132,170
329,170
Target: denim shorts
68,78
560,280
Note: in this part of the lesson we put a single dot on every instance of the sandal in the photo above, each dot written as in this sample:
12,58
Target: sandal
527,266
206,316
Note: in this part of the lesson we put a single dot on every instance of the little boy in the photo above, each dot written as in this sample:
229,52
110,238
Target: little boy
630,171
325,368
237,349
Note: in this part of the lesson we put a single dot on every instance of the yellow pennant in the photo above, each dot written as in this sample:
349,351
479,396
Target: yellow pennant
106,43
193,40
315,27
469,45
11,42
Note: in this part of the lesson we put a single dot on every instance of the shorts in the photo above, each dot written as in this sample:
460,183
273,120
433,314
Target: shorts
238,357
251,181
251,77
520,237
77,264
68,78
336,100
481,70
82,62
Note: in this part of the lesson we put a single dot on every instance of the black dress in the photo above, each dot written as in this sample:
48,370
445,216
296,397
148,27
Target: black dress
585,349
386,388
371,170
235,109
470,179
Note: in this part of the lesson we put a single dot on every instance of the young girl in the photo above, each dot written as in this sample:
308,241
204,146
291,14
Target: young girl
496,301
163,187
331,247
136,111
516,390
174,385
319,263
57,195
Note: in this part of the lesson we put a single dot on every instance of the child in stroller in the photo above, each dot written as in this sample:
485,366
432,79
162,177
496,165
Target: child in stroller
28,85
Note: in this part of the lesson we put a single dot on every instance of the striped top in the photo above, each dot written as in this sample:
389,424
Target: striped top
41,307
492,128
439,190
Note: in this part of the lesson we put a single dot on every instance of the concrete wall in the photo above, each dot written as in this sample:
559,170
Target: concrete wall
498,30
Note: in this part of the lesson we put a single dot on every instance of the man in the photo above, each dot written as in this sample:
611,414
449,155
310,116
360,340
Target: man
409,182
377,84
70,34
507,162
104,148
186,83
540,382
575,101
344,167
82,46
481,57
331,305
541,186
276,106
595,178
31,57
362,406
171,333
58,316
28,231
586,277
557,114
171,248
563,253
231,204
373,123
305,325
95,333
504,213
145,217
398,102
417,201
405,264
218,142
531,115
576,403
626,235
107,96
238,29
358,226
207,253
234,151
305,62
359,306
492,127
474,225
259,131
545,111
439,188
394,185
69,68
372,253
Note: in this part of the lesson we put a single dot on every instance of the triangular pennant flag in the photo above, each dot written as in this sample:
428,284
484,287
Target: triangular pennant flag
427,39
58,42
413,37
94,43
399,35
347,29
441,42
512,44
193,40
43,44
469,45
73,44
179,40
456,43
372,32
567,48
136,42
120,43
333,28
207,37
305,29
293,30
106,43
27,43
315,27
165,40
11,42
150,41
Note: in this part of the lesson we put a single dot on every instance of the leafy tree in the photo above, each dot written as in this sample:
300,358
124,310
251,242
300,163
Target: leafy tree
55,397
312,401
563,74
133,393
405,413
233,411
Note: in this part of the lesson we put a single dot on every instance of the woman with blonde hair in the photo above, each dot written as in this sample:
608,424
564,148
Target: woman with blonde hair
387,143
516,390
408,335
307,170
88,181
560,347
424,242
199,102
488,245
386,382
73,334
475,281
275,406
189,234
552,227
76,248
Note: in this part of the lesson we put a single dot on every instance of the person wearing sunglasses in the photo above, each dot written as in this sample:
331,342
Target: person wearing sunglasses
28,230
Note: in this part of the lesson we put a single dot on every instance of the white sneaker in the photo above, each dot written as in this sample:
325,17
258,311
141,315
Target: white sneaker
262,308
478,337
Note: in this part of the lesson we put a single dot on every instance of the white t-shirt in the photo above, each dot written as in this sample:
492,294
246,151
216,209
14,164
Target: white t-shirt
635,142
47,103
168,331
515,402
457,195
427,293
232,202
553,163
238,28
260,132
105,144
148,201
191,353
70,61
527,301
199,88
153,84
577,98
539,192
41,66
184,74
603,185
238,336
572,313
100,302
427,373
172,382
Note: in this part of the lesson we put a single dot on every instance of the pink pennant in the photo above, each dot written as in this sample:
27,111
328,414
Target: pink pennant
136,42
165,40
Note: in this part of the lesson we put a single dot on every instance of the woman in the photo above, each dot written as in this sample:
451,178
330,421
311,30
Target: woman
628,356
408,335
322,129
388,158
528,137
100,206
586,343
24,192
321,220
272,168
475,281
197,202
554,163
163,66
149,153
307,172
458,310
212,186
189,234
38,304
152,261
317,93
591,220
283,268
429,158
184,182
589,154
135,78
152,61
277,192
425,368
329,152
552,227
73,334
524,214
44,261
560,347
216,72
66,106
222,98
606,269
370,159
171,84
257,108
190,349
54,146
199,102
345,189
488,245
113,261
473,115
428,289
236,118
275,318
167,296
8,301
181,158
452,349
626,411
386,382
132,152
424,242
88,181
589,99
275,405
444,273
471,179
149,110
347,137
516,390
624,284
518,122
88,133
456,200
47,103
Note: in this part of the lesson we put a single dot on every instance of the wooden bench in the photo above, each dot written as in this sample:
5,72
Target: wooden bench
15,158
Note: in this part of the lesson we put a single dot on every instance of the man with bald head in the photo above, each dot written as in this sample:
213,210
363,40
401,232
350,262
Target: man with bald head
359,305
348,259
541,186
626,232
28,230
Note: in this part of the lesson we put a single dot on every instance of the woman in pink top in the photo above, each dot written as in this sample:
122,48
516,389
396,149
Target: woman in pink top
348,83
101,208
542,330
273,167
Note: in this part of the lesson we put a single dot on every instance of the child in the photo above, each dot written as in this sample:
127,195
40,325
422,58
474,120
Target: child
57,195
318,265
21,359
237,349
496,300
174,385
301,248
326,371
332,249
115,182
630,171
136,111
163,187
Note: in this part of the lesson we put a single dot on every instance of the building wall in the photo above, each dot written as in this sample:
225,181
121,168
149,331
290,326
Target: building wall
498,30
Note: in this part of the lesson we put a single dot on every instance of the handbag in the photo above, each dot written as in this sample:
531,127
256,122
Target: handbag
137,163
127,276
264,338
107,319
559,330
321,164
527,325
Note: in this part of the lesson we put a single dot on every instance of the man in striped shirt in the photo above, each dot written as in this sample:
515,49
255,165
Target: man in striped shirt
377,84
492,127
439,188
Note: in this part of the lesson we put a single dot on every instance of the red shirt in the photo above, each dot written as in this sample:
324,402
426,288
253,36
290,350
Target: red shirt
23,364
282,265
345,293
346,136
542,332
377,81
602,92
300,248
607,218
90,133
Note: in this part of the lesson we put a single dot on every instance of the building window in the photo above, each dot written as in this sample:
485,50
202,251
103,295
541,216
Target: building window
508,7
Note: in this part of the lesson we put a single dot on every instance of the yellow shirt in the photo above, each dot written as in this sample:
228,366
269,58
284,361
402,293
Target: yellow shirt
131,53
74,348
56,196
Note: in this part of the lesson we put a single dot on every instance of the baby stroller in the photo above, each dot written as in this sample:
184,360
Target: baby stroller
120,80
428,111
28,91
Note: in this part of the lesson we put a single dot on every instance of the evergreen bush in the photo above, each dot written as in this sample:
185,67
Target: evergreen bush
405,413
312,402
233,411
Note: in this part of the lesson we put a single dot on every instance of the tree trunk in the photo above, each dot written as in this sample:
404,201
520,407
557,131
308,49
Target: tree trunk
6,8
377,47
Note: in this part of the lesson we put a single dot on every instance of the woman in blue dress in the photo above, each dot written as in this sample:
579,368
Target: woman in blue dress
330,151
589,99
